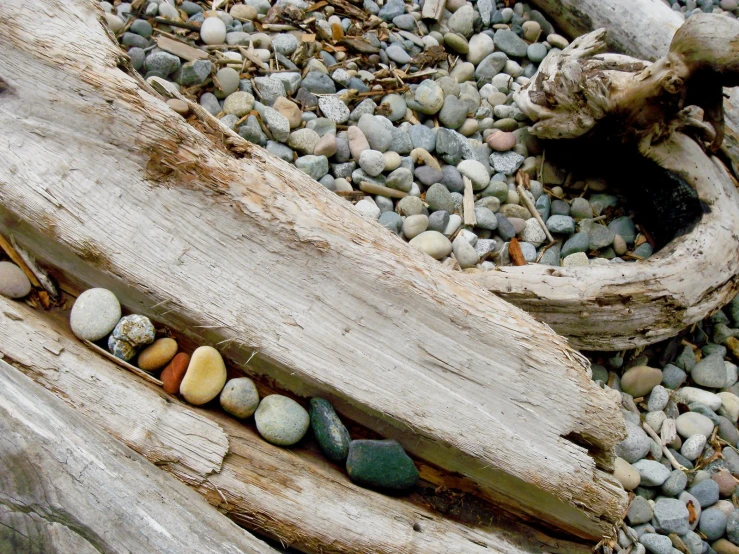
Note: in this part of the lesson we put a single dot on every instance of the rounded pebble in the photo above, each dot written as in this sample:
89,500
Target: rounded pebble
205,376
158,354
94,314
240,397
280,420
13,282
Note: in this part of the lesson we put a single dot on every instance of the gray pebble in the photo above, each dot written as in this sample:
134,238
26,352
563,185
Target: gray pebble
671,516
706,492
710,372
673,376
507,162
509,42
640,511
653,474
675,483
658,399
656,544
391,220
239,397
565,225
314,166
439,198
713,523
486,219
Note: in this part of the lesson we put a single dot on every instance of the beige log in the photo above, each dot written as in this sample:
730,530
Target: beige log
644,30
69,487
693,275
291,495
243,251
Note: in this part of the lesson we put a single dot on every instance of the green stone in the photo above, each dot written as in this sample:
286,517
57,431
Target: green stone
332,436
380,464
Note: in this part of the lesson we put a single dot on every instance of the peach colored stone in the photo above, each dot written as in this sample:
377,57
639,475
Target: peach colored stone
174,373
290,110
178,105
640,380
726,482
501,141
157,354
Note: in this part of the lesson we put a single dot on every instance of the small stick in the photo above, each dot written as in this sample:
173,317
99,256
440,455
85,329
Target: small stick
521,178
173,23
515,252
13,255
372,188
132,368
665,450
468,203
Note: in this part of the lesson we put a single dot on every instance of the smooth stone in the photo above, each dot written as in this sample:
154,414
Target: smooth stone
428,175
357,142
174,373
331,434
623,226
626,474
422,137
509,42
433,243
729,406
652,473
290,110
379,136
380,464
368,208
723,546
240,397
453,112
205,376
480,46
706,492
536,52
579,242
429,97
675,484
672,376
486,219
372,162
517,213
158,354
439,198
455,222
732,527
725,481
462,21
475,172
727,430
318,82
501,141
414,225
410,205
464,252
688,395
693,506
212,31
438,221
392,221
238,103
635,446
94,314
162,62
710,372
564,225
656,544
490,66
640,380
578,259
658,399
693,447
712,523
693,423
280,420
640,511
392,161
400,179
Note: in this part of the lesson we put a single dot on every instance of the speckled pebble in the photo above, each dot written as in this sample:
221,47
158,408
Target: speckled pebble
280,420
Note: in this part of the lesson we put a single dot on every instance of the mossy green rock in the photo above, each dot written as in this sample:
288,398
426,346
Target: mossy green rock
380,464
332,436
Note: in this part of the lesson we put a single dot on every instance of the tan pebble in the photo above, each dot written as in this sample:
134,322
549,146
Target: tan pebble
240,397
722,546
290,110
501,141
619,245
242,11
531,31
178,105
157,354
205,376
392,161
114,22
640,380
558,192
558,41
626,474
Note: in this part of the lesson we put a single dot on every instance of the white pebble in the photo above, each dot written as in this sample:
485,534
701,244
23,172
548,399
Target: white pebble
212,31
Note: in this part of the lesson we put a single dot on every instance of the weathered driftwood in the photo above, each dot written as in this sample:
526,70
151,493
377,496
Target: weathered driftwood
69,487
293,496
643,29
574,92
102,180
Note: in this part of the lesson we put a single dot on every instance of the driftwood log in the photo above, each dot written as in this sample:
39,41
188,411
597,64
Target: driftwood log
291,495
209,234
69,487
650,105
644,31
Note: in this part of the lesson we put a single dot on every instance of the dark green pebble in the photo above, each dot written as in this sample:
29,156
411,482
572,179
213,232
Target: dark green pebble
380,464
332,436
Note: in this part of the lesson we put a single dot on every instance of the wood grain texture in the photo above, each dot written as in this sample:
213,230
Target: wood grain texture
292,495
67,486
253,256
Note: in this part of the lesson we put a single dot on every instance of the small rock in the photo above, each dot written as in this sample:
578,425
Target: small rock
433,243
331,434
672,376
380,464
706,492
278,125
710,372
729,406
290,110
509,42
640,511
656,544
158,354
464,252
205,376
368,208
240,397
213,31
501,141
626,474
652,473
722,546
429,97
94,314
357,141
692,423
414,225
713,523
326,146
658,399
130,333
725,481
506,162
314,166
334,109
671,516
675,484
688,395
280,420
475,172
392,221
174,373
635,446
640,380
693,447
238,103
372,162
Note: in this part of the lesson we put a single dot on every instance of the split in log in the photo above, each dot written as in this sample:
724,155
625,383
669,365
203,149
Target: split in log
580,92
291,495
67,486
102,181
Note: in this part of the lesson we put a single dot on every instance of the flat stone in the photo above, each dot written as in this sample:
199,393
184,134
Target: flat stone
381,464
729,406
158,354
656,544
331,434
635,446
205,376
462,21
475,172
625,227
727,430
640,511
433,243
688,395
280,420
422,137
414,225
240,397
626,474
94,314
174,372
713,523
506,162
692,423
710,372
652,473
640,380
318,83
675,484
706,492
509,42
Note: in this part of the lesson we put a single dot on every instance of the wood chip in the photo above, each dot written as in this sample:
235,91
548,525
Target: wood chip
515,252
132,368
181,49
308,38
371,188
468,203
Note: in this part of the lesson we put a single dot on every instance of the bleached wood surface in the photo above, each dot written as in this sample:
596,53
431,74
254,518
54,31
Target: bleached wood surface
639,28
68,487
292,495
695,274
253,256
